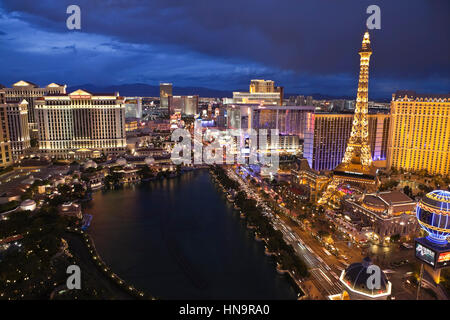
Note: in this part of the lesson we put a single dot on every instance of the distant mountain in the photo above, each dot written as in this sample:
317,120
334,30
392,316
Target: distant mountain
146,90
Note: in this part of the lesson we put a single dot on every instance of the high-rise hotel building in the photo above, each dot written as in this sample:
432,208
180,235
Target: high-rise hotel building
326,136
187,105
165,92
5,144
290,121
133,107
420,132
261,92
19,132
30,92
81,124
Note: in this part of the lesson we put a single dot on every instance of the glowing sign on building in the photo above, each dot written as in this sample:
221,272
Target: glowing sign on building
443,259
425,254
80,94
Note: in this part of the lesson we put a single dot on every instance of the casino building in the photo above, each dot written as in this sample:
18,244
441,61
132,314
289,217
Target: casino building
165,92
5,143
187,105
261,92
290,121
81,124
327,134
387,213
420,135
19,131
303,175
30,92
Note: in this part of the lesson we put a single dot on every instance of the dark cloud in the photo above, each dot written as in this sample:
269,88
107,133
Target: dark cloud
302,43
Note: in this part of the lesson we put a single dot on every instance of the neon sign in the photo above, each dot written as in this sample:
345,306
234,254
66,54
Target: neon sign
444,257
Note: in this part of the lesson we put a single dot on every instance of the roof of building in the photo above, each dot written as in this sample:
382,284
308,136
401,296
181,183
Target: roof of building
297,191
356,278
102,94
395,200
413,95
374,202
25,83
54,84
394,197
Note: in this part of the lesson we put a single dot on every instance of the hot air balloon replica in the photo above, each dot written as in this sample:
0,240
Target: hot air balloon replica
433,215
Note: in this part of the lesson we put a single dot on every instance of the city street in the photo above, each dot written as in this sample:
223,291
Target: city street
324,277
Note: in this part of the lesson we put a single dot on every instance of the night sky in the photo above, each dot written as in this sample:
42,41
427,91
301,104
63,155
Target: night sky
306,46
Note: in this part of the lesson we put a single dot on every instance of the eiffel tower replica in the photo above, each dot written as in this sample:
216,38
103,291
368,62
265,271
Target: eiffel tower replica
356,167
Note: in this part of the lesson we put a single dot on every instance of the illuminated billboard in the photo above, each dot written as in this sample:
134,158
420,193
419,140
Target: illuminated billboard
425,254
436,256
443,260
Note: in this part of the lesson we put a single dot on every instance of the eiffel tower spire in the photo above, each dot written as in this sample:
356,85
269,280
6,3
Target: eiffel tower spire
358,147
356,165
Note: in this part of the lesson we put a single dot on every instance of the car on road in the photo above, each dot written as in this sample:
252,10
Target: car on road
406,245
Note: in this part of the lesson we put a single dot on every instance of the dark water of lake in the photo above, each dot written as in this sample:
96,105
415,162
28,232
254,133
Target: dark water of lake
180,239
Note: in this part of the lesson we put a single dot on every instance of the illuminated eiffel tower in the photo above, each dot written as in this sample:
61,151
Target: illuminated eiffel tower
356,166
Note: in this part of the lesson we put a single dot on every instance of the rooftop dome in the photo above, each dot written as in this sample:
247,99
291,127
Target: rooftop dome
28,204
433,215
356,277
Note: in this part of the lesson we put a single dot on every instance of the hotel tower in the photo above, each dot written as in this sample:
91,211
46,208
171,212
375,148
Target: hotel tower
30,92
5,143
81,124
420,132
19,132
